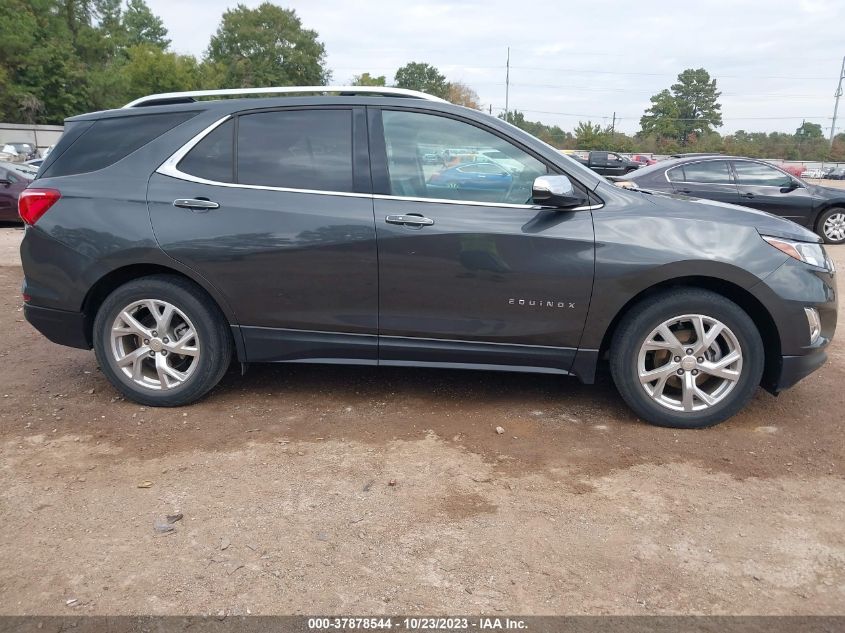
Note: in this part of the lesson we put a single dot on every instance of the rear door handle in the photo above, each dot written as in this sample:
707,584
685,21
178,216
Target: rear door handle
409,220
197,204
748,195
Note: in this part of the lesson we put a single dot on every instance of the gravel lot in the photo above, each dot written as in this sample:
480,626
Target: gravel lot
365,490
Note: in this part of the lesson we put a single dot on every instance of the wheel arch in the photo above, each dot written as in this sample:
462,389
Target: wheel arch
743,298
117,277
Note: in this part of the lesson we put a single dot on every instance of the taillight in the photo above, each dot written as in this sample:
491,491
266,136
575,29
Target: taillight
33,203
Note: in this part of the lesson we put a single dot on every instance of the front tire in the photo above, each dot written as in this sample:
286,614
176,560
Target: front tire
161,341
686,359
831,226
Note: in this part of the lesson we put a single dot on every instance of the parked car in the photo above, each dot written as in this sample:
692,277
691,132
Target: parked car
838,173
643,160
608,163
500,158
12,183
474,176
814,173
751,183
35,162
795,170
23,151
282,230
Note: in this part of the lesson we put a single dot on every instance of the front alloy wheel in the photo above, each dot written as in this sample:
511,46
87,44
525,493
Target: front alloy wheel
686,358
833,226
689,363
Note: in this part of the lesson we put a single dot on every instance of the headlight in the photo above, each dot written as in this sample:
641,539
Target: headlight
806,252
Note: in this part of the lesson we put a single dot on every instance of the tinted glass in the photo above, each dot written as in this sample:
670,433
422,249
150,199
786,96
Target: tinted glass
107,141
711,171
436,157
213,157
299,149
676,174
758,174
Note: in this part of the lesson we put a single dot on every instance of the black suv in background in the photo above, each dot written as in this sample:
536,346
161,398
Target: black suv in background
751,183
173,235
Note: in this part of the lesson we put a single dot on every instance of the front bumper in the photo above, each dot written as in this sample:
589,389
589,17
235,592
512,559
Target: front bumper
60,326
796,368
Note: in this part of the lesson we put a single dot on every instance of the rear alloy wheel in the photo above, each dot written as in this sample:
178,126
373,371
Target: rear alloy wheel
687,359
832,226
162,341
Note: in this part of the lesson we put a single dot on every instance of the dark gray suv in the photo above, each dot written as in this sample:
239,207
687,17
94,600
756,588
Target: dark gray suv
176,234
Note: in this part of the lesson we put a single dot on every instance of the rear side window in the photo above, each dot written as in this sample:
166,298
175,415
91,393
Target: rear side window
711,172
213,157
298,149
107,141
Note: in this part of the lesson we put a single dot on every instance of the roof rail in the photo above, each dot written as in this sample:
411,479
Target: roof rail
186,97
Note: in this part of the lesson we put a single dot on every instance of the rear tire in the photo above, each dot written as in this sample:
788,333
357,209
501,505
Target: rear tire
831,226
670,372
161,341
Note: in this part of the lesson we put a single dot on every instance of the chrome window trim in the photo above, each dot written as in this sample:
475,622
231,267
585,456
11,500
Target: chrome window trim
169,168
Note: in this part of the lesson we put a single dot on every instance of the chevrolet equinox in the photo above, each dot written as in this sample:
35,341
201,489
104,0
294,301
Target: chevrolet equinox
380,226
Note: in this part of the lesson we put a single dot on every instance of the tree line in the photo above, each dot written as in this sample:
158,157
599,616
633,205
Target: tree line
59,58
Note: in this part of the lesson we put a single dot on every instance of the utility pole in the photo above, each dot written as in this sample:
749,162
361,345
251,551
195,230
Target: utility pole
613,129
836,103
508,82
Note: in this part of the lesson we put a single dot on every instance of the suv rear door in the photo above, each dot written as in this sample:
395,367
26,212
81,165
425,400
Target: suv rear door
470,272
289,237
709,179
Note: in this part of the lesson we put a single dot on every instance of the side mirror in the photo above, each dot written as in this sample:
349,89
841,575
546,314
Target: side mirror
556,191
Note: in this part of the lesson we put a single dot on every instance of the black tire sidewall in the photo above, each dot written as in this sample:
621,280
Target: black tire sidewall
215,345
643,319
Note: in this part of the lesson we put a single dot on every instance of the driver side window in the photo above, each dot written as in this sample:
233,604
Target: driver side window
436,157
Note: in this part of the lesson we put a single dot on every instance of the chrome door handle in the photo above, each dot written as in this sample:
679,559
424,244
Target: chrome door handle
409,220
197,204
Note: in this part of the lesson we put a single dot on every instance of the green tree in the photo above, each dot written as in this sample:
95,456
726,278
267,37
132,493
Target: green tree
690,107
266,46
366,79
143,27
422,77
589,135
150,70
809,131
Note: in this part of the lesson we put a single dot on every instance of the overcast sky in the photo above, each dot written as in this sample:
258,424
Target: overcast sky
776,61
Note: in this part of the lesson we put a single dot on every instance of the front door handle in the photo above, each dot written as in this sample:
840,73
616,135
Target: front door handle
197,204
748,195
409,220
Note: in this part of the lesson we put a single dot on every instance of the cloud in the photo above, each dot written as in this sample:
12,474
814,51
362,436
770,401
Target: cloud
577,59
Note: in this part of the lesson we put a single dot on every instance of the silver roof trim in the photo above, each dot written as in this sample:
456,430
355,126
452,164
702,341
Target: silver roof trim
285,90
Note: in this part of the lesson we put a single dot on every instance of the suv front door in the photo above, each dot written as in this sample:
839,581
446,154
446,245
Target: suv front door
289,239
470,272
769,189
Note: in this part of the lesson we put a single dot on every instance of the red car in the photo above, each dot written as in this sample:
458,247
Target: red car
643,160
12,182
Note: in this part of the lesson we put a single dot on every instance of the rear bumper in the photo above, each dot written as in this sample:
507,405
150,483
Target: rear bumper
60,326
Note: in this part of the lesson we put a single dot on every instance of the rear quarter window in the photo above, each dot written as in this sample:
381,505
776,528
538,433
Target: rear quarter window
107,141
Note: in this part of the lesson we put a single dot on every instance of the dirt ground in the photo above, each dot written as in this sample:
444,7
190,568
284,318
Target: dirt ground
388,491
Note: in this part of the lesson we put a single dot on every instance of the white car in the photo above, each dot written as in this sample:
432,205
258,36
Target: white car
812,173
